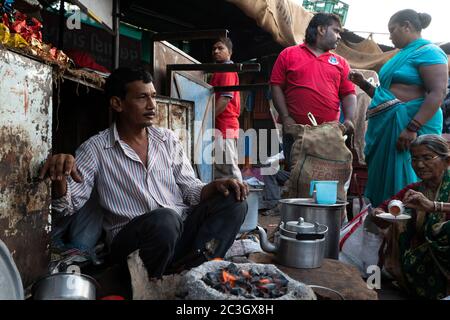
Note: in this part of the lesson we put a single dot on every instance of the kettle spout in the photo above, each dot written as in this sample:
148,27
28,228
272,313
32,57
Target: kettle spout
266,245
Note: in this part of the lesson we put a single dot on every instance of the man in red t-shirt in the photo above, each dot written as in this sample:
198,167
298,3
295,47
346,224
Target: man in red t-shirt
227,110
308,78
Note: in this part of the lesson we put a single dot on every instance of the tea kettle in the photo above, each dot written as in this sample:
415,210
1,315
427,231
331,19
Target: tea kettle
300,244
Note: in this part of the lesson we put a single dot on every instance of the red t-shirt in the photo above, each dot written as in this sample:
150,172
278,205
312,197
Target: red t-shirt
227,122
312,84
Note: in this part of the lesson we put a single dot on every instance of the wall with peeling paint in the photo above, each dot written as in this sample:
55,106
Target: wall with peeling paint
25,142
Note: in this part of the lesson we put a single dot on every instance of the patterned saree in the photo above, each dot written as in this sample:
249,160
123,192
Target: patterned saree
422,253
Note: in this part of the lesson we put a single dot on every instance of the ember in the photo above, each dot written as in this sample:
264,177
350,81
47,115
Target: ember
249,284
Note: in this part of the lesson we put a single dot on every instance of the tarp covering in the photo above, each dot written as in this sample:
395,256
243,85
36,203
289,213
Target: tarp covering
285,20
365,55
366,46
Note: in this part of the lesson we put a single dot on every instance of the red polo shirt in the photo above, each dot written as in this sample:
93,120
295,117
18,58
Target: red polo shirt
227,122
312,84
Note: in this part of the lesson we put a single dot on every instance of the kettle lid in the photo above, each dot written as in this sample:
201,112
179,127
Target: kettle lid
300,226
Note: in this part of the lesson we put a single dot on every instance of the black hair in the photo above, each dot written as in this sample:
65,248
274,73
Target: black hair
226,41
116,83
419,21
319,19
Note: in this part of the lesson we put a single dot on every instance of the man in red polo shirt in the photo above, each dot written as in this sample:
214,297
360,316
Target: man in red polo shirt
227,110
309,78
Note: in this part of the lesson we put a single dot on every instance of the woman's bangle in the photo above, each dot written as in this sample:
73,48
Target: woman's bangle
417,123
413,127
434,206
442,207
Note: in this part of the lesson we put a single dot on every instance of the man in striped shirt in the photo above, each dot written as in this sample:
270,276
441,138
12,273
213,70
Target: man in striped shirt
146,185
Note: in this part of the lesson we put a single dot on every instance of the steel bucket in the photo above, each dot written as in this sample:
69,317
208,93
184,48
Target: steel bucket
65,286
327,214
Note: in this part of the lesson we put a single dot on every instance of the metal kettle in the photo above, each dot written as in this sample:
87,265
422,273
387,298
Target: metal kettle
300,244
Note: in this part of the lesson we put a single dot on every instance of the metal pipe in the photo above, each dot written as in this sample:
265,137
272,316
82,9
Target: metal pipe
217,67
116,36
242,87
62,20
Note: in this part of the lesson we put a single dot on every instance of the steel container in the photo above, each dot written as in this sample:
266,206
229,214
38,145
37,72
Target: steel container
327,214
301,249
65,286
251,219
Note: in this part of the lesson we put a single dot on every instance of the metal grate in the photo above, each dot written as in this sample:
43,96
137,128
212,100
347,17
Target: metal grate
330,6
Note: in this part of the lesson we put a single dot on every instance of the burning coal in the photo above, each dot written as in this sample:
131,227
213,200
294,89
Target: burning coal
249,284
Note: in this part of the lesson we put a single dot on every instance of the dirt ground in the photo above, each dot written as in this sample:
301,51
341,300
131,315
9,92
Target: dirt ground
388,290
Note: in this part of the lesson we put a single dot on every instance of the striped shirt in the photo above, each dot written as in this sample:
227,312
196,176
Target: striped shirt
126,188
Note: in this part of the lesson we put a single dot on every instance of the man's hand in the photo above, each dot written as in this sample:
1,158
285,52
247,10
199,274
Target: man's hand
224,186
286,121
349,127
357,78
58,166
416,200
405,139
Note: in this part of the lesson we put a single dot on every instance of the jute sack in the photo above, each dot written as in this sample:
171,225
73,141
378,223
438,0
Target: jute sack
318,153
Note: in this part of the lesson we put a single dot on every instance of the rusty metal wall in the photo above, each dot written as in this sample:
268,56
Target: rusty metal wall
25,141
177,115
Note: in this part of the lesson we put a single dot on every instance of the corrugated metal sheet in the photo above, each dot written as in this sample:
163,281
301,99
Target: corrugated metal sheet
25,142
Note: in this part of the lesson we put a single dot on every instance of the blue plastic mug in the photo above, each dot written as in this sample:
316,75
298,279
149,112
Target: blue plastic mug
326,191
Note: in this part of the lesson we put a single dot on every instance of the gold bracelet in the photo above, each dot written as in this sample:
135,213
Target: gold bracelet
442,206
434,206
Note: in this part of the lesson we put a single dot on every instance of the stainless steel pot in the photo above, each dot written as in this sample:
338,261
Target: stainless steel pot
65,286
251,219
327,214
300,244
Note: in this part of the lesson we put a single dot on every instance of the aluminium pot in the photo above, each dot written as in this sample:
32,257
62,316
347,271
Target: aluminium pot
251,218
299,245
65,286
327,214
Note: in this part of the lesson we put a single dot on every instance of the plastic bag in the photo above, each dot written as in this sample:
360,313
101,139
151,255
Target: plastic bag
359,246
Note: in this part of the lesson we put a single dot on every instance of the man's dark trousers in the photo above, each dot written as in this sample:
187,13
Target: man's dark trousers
163,238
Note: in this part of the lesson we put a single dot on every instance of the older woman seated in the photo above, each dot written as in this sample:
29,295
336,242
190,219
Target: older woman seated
418,250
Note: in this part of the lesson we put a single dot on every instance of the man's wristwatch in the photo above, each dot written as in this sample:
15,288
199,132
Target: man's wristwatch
366,85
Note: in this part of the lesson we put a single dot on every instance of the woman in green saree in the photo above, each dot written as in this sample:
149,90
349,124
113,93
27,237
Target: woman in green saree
406,104
418,249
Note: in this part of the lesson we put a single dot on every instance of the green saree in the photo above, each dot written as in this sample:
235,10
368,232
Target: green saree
424,249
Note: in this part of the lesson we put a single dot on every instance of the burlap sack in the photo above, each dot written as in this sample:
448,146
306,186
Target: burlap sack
318,153
359,120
